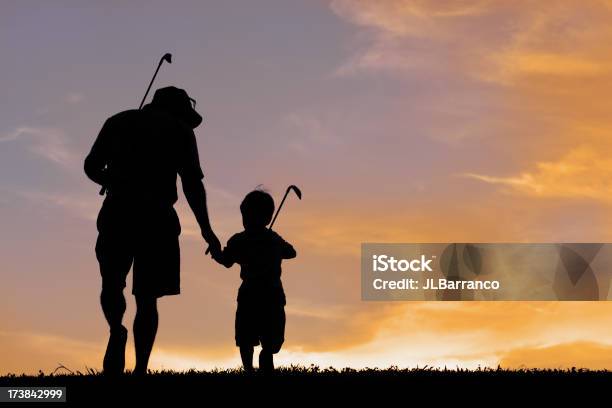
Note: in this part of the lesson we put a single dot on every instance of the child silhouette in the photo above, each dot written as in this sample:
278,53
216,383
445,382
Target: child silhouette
260,316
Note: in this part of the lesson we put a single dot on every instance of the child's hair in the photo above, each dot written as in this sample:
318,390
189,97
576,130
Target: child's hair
257,208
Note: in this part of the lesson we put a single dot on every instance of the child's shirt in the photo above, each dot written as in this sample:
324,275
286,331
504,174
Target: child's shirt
259,254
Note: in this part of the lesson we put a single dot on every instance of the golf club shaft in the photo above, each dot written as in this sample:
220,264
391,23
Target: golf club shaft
151,83
161,61
279,208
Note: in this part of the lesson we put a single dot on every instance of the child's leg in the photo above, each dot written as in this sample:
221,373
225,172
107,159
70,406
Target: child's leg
246,354
273,336
244,335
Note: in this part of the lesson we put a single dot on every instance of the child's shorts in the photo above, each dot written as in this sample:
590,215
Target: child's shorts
260,324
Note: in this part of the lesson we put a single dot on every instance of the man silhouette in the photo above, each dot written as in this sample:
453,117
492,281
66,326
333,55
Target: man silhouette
136,158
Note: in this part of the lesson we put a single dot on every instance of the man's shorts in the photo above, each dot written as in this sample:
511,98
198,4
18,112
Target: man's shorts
147,240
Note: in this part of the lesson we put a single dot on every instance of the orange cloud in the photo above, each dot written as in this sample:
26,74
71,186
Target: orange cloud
582,174
534,63
550,68
491,40
409,18
580,354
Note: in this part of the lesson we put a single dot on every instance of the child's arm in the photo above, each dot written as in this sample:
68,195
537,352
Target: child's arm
227,257
287,250
224,258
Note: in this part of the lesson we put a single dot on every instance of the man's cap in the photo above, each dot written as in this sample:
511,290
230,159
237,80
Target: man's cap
178,102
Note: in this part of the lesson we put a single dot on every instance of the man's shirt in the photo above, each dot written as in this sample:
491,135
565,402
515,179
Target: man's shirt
143,151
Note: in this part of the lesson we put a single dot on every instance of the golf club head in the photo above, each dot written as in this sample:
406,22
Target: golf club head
296,190
167,57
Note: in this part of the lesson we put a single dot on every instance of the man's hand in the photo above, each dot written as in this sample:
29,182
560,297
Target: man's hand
214,246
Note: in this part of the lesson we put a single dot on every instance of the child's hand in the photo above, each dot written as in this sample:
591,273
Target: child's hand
222,257
213,242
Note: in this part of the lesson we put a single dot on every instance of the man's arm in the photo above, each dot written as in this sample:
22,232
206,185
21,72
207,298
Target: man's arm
196,197
95,171
191,178
97,159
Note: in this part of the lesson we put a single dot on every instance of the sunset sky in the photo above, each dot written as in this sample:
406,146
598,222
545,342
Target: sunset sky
401,121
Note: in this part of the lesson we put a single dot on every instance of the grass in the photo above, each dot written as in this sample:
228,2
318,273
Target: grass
63,372
313,370
312,381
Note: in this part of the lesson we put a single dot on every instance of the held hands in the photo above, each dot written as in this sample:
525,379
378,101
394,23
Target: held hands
214,246
217,254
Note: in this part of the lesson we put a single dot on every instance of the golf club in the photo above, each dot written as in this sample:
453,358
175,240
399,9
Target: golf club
293,188
297,192
168,58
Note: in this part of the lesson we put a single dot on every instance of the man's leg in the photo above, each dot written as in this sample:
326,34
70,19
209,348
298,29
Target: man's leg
246,354
145,329
113,306
115,263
